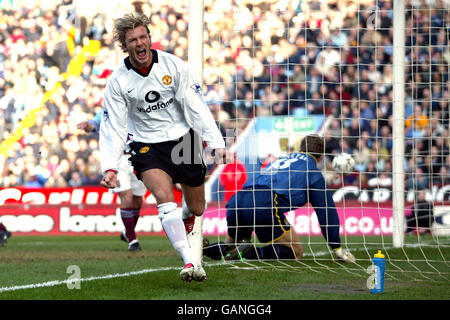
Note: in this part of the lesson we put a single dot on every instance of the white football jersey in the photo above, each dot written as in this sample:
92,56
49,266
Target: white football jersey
158,106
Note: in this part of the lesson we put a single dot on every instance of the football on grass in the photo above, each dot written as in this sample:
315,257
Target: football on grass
343,163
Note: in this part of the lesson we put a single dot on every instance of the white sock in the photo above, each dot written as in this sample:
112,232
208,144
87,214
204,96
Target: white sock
174,227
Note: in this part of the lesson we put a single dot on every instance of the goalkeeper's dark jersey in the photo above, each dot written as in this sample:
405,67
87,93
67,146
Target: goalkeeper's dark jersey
296,180
291,178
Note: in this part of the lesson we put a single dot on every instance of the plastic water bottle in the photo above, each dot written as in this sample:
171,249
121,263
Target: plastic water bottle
379,264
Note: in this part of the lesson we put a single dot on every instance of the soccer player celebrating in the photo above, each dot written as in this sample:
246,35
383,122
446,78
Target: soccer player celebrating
129,189
287,183
154,106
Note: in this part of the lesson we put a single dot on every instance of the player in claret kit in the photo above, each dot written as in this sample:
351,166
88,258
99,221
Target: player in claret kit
285,184
154,107
129,189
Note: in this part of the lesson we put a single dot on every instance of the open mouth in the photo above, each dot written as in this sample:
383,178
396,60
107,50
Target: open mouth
141,53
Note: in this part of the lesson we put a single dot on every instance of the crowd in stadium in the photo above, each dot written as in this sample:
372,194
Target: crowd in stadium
266,58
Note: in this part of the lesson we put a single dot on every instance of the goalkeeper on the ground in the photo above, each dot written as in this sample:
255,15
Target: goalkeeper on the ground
284,185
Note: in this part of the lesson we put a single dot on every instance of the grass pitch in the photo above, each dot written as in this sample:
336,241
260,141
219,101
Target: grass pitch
45,268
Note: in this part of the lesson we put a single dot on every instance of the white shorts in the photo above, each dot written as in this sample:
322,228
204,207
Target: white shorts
127,180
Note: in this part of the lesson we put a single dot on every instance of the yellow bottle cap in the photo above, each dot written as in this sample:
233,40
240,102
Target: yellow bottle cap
379,254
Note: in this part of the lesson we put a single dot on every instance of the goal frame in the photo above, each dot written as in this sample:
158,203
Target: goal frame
398,130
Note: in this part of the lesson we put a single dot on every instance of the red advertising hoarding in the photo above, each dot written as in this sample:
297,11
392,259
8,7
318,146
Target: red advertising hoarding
95,211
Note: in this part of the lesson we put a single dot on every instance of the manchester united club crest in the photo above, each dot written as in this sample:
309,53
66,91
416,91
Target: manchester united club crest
144,150
167,80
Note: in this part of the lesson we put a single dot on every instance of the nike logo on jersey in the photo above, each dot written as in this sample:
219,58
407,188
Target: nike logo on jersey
129,91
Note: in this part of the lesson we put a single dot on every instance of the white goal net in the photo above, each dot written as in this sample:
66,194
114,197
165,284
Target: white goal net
275,71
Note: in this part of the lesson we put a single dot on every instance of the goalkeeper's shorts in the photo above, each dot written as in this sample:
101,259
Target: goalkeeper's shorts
261,211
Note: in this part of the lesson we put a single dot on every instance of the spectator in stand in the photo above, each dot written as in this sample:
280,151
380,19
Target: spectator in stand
35,179
361,155
418,180
76,179
444,176
385,138
417,121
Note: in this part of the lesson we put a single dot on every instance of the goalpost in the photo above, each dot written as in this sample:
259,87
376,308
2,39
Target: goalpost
353,72
398,132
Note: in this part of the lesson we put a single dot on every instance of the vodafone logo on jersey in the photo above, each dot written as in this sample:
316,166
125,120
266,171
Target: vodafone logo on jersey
153,96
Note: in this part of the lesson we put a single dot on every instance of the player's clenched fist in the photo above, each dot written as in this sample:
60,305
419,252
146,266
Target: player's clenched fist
221,155
109,179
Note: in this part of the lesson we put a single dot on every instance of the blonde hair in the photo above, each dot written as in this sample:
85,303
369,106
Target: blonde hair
127,22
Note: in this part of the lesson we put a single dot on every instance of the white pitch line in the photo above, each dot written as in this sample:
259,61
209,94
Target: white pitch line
108,276
71,281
